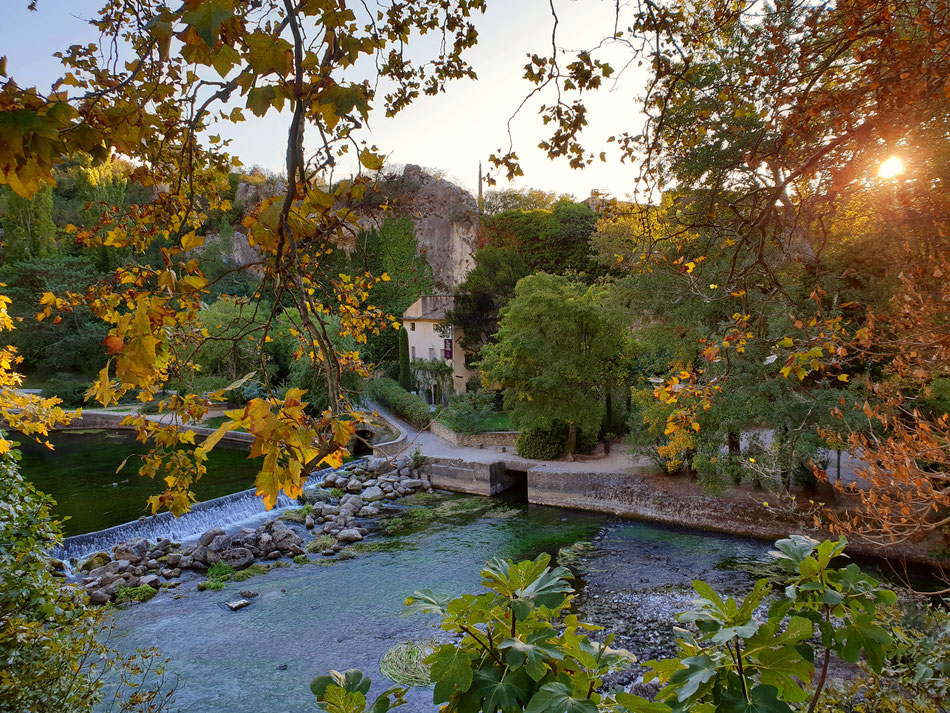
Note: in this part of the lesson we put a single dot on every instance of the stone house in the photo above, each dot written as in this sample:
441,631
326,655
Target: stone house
430,338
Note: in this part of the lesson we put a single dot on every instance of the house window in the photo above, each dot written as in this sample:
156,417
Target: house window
412,326
413,350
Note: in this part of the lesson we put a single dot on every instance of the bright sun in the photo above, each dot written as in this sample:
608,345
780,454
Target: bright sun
891,167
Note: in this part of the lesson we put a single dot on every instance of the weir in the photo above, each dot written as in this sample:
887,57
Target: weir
226,511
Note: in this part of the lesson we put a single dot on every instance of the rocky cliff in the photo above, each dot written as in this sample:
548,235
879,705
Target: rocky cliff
444,217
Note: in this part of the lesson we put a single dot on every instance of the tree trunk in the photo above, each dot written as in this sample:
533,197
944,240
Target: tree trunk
571,440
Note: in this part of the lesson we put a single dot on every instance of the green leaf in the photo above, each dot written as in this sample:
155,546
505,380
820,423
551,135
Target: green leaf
492,691
425,601
532,654
558,698
260,99
266,54
635,704
451,671
207,19
763,699
864,635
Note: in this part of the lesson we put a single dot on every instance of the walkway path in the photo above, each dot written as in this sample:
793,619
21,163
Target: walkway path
620,459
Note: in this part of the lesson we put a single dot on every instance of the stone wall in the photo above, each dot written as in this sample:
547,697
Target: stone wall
473,478
491,439
656,498
113,421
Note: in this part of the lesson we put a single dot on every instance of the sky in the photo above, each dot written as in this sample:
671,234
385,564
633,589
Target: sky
451,132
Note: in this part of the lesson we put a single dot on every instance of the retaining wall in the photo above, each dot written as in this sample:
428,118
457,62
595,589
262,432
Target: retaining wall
113,421
490,439
473,478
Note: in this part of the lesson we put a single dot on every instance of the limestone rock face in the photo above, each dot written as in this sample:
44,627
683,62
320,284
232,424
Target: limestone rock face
445,219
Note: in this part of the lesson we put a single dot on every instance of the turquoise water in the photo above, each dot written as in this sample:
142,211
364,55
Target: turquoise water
308,619
80,474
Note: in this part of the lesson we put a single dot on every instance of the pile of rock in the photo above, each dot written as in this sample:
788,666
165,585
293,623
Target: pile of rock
366,486
134,563
271,541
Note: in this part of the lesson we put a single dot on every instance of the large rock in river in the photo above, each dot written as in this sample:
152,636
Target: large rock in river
237,557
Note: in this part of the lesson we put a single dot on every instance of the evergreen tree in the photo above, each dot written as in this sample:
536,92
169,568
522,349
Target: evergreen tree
405,380
28,228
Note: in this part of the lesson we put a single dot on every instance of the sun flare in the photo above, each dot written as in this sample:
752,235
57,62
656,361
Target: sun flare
891,167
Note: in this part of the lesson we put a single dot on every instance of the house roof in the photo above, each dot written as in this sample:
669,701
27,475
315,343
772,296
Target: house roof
429,307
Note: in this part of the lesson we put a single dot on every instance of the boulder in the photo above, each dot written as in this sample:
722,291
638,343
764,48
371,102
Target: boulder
265,543
97,596
372,494
100,559
237,557
205,555
351,534
209,536
220,543
133,550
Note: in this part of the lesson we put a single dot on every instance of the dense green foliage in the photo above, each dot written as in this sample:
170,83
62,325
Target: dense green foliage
405,378
735,661
28,228
71,345
560,344
551,442
473,412
486,290
407,406
554,241
514,648
53,660
517,647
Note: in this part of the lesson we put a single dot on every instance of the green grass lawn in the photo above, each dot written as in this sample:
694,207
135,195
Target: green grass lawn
497,422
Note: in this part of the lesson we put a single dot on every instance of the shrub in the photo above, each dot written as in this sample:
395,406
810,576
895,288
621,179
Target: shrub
71,391
408,406
136,594
542,443
551,443
470,412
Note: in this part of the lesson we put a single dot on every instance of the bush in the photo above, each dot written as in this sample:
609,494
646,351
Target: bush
542,443
551,443
407,406
71,391
470,413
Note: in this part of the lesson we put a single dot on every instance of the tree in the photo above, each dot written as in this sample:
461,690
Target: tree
485,291
28,229
284,55
554,241
556,348
524,200
772,122
405,379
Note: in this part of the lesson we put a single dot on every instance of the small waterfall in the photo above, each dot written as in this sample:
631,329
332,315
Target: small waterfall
227,511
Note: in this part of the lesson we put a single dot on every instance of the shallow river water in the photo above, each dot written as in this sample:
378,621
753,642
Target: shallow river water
308,619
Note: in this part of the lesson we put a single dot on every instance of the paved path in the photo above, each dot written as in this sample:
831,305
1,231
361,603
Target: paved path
620,458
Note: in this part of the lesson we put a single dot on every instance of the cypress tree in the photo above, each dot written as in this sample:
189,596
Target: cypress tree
405,381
